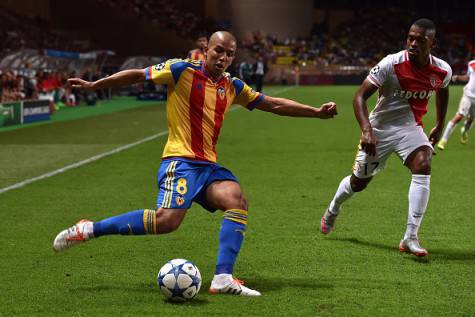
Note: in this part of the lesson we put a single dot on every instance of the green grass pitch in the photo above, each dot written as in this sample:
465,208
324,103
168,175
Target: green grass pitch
289,169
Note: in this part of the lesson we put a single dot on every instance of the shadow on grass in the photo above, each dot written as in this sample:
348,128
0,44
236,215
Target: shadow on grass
274,284
194,302
140,288
367,243
435,254
452,255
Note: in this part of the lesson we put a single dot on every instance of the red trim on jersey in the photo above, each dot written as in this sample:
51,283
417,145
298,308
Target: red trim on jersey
221,103
197,98
472,64
413,79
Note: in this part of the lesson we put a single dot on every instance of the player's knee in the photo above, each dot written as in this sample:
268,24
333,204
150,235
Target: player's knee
243,203
168,222
422,167
358,184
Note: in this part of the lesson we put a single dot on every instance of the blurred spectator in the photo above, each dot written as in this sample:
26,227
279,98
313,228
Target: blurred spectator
199,52
260,69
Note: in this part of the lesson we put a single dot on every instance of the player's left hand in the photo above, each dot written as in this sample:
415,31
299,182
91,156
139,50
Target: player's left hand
435,134
327,110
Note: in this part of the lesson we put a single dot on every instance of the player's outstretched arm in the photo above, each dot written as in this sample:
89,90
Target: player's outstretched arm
290,108
367,140
441,103
120,79
462,78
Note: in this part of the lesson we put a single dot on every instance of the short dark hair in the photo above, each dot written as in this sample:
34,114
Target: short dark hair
426,24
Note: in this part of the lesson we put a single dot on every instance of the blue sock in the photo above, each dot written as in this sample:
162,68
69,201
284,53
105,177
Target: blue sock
231,236
137,222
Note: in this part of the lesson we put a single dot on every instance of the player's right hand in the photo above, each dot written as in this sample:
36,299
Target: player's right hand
368,142
81,84
327,110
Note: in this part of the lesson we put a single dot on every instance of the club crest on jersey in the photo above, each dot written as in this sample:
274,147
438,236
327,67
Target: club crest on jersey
180,200
408,94
221,93
435,82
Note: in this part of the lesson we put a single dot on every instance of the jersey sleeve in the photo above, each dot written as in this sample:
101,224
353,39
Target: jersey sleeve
160,74
246,96
380,73
470,68
448,77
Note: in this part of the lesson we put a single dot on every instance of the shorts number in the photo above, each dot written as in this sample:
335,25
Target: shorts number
374,166
181,186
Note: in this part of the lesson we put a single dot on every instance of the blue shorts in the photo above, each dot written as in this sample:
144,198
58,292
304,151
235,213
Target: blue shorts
182,182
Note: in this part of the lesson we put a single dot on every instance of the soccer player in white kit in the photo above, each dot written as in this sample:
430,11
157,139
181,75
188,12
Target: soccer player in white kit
405,82
466,107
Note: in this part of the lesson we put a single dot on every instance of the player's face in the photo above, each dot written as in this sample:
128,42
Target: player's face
202,42
219,56
418,43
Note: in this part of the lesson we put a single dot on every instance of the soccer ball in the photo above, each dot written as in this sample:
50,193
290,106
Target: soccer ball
179,280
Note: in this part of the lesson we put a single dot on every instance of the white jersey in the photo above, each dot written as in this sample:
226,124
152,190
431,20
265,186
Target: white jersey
404,89
469,89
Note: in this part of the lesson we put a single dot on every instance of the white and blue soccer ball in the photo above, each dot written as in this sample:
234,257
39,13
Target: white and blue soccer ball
179,280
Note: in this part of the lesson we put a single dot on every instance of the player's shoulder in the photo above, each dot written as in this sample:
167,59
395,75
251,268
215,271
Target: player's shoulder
440,63
187,62
397,58
471,63
237,83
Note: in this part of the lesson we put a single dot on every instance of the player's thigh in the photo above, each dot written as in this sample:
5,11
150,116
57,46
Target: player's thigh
225,195
465,106
415,150
179,183
471,112
366,166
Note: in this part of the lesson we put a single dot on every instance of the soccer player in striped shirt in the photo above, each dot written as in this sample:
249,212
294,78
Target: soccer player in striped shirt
199,94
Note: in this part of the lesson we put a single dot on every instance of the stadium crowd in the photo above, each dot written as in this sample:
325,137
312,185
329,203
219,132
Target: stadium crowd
360,41
167,14
23,32
28,83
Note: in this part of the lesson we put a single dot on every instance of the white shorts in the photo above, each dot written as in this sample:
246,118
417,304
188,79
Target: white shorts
400,140
466,106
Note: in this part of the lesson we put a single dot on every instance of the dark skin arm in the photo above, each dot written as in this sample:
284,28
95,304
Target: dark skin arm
441,102
368,140
120,79
290,108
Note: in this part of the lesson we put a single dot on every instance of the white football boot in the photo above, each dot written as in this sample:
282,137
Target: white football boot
80,232
412,245
235,287
328,222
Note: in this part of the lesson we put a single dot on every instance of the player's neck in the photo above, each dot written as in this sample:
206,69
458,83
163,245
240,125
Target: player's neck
214,76
421,62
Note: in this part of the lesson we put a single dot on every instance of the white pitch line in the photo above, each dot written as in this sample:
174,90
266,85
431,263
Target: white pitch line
99,156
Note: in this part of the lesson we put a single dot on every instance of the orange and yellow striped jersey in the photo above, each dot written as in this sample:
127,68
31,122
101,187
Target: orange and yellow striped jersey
196,54
196,106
